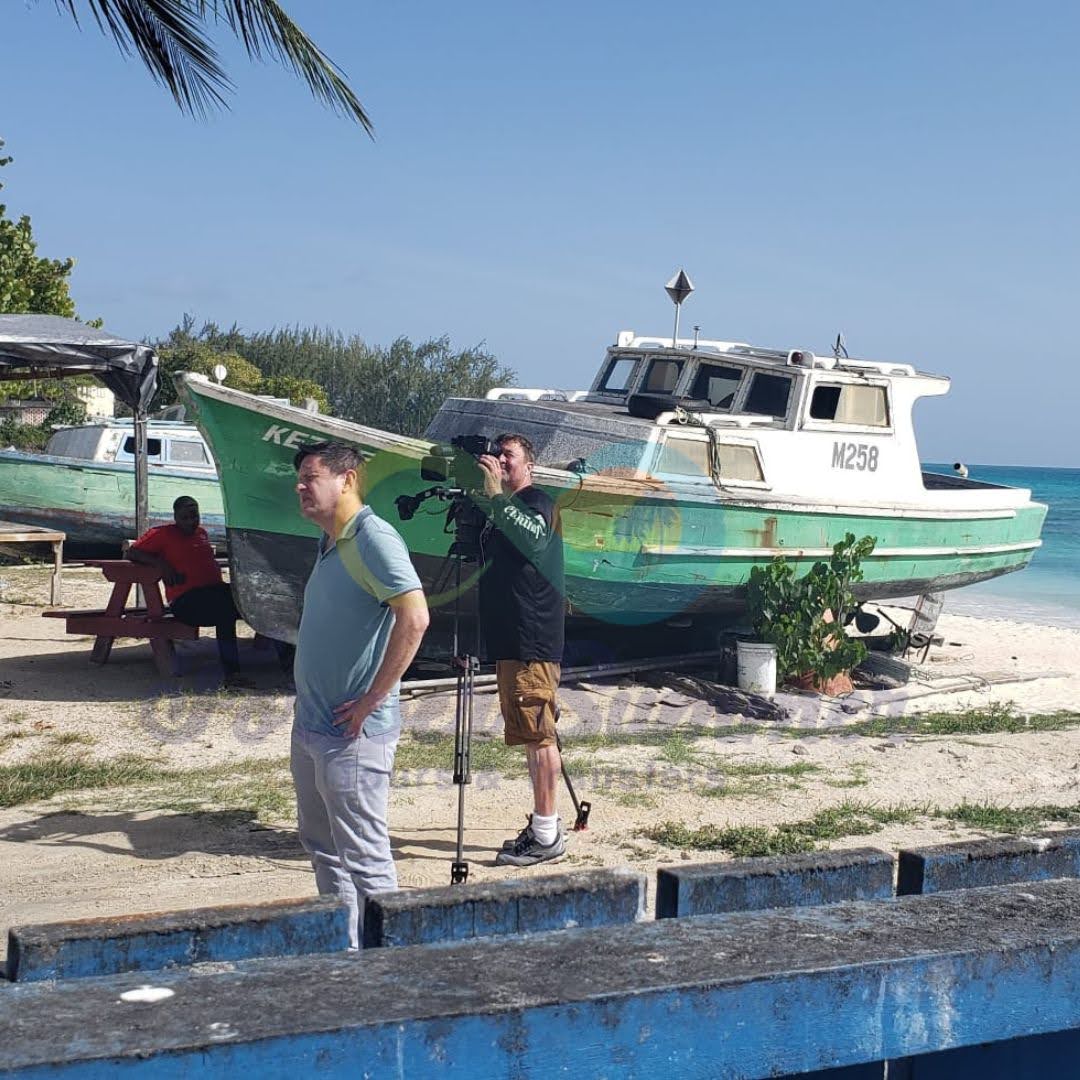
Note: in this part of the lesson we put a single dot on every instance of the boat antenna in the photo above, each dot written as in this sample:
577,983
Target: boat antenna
678,288
839,349
697,334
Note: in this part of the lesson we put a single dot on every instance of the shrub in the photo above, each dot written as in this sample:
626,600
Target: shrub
804,617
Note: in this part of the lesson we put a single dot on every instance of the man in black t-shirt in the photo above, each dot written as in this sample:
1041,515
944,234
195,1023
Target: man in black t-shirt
522,612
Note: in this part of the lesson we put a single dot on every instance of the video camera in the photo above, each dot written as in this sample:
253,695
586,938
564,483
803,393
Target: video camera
455,471
457,463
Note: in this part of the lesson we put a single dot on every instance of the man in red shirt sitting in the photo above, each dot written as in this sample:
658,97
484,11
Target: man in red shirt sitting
193,587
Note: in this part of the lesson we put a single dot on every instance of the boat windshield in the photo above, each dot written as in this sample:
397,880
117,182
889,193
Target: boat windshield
662,376
127,453
768,395
187,452
619,372
717,384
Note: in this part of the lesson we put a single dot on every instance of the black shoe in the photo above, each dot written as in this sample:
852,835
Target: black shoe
529,851
521,836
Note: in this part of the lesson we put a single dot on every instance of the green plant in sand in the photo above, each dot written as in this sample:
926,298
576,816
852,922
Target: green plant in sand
804,616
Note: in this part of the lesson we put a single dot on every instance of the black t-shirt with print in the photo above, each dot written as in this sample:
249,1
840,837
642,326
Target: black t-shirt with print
522,593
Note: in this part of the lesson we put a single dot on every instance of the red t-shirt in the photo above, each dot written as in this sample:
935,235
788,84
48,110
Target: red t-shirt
192,556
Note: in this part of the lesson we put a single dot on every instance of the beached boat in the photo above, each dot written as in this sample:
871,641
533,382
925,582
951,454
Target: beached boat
685,465
83,484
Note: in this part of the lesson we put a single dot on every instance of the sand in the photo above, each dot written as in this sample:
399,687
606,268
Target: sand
166,844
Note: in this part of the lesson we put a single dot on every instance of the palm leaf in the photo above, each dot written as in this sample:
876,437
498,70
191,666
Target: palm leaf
169,36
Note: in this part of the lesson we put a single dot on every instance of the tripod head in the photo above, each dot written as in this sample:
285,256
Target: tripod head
463,519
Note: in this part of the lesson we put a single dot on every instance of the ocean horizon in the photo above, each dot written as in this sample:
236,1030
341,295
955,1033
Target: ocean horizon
1048,590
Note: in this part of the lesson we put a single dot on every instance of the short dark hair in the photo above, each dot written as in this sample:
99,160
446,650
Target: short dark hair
337,457
526,447
183,500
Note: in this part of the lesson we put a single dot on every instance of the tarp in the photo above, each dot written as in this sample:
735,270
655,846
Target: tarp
48,344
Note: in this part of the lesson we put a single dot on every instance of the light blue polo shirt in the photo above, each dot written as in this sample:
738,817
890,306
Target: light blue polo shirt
346,623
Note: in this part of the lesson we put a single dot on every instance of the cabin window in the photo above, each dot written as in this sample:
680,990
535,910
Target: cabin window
187,452
683,457
662,377
739,462
716,384
153,447
735,462
618,375
851,403
768,395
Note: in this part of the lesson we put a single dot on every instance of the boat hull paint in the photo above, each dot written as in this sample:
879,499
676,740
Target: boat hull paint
94,502
635,551
269,571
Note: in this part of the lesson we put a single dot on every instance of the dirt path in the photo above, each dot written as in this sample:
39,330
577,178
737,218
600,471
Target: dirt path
200,808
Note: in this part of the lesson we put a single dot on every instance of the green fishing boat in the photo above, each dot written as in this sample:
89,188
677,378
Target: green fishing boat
683,466
84,482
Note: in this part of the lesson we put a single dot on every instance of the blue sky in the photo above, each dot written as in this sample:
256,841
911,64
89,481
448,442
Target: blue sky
905,173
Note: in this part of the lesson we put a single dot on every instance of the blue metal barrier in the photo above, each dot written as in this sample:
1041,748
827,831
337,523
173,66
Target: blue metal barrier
741,995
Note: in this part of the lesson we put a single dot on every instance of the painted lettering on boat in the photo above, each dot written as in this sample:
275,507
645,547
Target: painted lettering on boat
286,436
862,457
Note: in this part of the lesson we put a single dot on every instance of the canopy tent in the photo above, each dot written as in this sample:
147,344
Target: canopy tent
49,347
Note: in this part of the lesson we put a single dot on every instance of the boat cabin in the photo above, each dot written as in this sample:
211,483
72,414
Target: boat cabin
170,445
722,415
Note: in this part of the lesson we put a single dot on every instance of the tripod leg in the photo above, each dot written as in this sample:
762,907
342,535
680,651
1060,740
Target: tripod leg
463,719
581,809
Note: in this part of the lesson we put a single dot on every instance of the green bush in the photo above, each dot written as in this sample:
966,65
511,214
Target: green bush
24,436
804,617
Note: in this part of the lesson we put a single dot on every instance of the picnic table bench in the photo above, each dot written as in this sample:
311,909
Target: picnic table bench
152,622
15,532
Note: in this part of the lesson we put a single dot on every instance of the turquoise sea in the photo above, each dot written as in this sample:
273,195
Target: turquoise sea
1048,591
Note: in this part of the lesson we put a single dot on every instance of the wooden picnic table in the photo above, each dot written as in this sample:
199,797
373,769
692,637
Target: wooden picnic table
14,532
152,622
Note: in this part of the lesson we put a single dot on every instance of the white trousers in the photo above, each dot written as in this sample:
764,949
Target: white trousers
342,795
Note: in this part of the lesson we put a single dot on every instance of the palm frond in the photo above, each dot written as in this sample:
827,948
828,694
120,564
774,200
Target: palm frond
169,36
264,27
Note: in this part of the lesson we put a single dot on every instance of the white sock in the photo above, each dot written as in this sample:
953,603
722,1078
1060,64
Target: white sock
545,829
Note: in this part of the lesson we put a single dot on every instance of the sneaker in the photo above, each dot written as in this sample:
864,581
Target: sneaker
521,836
526,834
528,851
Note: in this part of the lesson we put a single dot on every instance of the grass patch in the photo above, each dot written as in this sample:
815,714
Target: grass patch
1009,819
995,719
738,840
677,750
753,778
765,768
604,740
634,799
431,750
18,717
71,738
48,775
854,819
846,819
259,785
263,787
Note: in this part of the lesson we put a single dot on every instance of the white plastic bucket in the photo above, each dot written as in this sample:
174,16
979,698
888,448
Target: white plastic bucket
757,667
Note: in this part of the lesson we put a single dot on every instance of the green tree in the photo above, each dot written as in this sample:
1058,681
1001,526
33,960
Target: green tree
399,388
296,390
29,283
172,38
201,358
68,411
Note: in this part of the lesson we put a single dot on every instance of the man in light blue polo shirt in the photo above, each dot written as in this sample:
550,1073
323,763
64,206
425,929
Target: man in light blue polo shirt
364,615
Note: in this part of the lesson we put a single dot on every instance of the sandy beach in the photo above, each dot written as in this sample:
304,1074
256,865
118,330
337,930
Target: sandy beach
173,796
